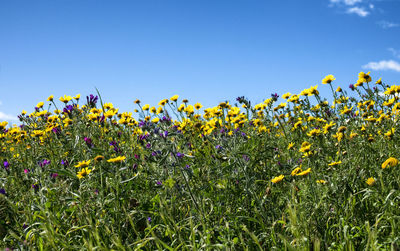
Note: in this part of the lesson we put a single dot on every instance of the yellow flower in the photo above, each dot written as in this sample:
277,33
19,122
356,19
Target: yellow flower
98,158
50,98
379,81
197,106
77,97
83,163
304,172
335,163
155,120
390,162
370,181
277,179
286,95
339,89
65,99
83,173
163,102
40,105
174,98
146,107
321,181
296,171
137,101
117,159
328,79
290,146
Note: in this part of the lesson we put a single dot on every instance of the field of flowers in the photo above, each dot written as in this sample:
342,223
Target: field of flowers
303,174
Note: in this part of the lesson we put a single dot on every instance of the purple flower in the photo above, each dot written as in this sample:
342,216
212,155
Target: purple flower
6,164
91,100
64,162
56,130
136,156
26,171
218,147
24,226
165,134
35,186
44,163
148,145
68,109
89,142
159,183
54,175
245,157
180,155
154,153
187,166
149,219
351,86
275,96
2,191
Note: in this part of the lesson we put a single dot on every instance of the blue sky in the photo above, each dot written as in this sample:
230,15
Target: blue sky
206,51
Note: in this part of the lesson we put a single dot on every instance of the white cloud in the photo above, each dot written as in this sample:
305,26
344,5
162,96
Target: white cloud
383,65
346,2
358,10
386,25
371,6
396,53
7,117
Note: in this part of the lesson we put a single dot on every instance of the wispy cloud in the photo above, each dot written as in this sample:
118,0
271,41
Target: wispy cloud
7,117
396,53
346,2
358,7
383,65
358,10
386,24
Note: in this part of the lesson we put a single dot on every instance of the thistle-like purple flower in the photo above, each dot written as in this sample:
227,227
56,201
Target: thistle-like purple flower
91,100
180,155
6,164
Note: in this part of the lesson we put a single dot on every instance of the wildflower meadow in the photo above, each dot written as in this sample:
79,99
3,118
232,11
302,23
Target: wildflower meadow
295,172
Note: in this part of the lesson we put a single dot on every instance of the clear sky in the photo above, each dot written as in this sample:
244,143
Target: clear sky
204,50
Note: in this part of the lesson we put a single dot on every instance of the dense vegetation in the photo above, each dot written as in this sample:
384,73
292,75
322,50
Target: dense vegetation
304,174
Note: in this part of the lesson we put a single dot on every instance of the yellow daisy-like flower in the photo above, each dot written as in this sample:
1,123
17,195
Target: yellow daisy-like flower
83,163
328,79
137,101
197,106
99,158
321,181
50,98
335,163
117,159
290,146
40,105
83,173
390,162
370,181
174,98
277,179
155,120
65,99
304,172
146,107
296,171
